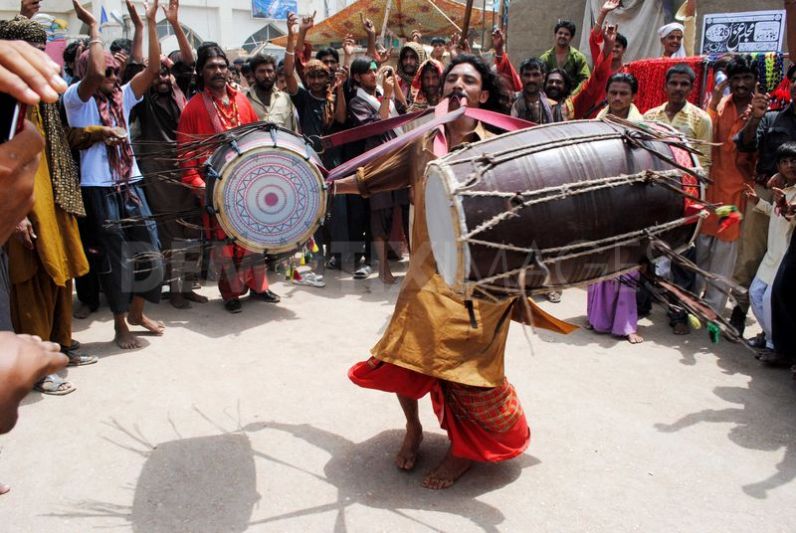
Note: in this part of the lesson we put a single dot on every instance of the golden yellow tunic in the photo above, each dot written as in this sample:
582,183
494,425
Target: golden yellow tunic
58,249
430,330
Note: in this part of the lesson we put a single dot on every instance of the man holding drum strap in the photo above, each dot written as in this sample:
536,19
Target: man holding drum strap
217,108
430,345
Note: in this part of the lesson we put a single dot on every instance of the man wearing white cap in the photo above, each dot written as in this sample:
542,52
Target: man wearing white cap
678,38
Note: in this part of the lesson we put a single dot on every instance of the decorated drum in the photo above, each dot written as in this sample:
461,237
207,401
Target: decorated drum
558,205
266,190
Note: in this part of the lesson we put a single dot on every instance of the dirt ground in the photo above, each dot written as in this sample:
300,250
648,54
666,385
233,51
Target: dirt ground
248,423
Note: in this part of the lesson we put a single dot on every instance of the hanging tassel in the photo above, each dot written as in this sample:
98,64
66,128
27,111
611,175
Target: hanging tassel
314,246
694,322
296,275
728,215
714,332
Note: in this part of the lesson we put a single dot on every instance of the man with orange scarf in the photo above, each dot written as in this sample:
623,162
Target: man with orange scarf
109,177
217,108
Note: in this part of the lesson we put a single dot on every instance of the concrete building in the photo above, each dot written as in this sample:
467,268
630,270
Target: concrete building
531,22
228,22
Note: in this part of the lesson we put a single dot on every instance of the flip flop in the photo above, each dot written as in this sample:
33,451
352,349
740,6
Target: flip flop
77,358
53,384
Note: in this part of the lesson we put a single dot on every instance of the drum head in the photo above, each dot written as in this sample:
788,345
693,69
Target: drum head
446,224
271,200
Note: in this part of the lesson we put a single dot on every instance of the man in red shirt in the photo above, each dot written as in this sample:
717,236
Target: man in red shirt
217,108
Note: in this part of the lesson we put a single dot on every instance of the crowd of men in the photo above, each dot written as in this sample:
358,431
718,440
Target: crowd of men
117,211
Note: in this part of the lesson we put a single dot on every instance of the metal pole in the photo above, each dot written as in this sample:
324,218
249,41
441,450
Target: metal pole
384,24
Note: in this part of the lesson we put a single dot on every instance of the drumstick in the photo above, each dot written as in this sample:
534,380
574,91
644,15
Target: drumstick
468,10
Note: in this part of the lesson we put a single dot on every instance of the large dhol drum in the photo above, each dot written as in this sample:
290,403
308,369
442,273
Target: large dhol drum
557,205
266,189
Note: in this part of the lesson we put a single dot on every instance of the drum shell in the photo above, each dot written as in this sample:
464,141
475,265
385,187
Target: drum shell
267,137
567,153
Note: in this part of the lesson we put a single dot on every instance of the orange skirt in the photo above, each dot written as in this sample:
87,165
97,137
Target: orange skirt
483,424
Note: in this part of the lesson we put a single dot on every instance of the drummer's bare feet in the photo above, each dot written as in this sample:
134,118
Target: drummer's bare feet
635,338
406,457
136,317
447,472
124,339
178,301
386,277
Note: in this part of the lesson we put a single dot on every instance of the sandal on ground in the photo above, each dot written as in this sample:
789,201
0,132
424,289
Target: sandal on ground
758,341
775,359
233,305
54,385
363,272
79,359
74,346
310,279
554,296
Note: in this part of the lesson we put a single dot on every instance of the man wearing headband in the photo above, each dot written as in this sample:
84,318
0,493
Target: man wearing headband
215,109
678,39
110,179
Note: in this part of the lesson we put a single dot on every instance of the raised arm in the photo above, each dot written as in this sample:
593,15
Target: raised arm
502,63
143,80
370,29
687,14
340,107
29,8
757,110
596,36
306,24
172,13
290,55
138,33
92,79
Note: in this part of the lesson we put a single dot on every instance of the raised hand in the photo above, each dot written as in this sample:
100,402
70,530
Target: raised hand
384,55
610,5
292,23
28,74
172,11
135,18
83,14
29,8
151,10
751,194
498,40
388,84
417,36
340,78
370,28
609,36
759,104
307,22
349,45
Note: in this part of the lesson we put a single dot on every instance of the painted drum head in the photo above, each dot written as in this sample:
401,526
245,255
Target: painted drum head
271,199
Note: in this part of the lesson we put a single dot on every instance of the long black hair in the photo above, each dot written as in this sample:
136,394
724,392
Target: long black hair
206,52
488,78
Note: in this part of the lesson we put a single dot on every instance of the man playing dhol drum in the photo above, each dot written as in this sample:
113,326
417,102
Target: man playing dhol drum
430,345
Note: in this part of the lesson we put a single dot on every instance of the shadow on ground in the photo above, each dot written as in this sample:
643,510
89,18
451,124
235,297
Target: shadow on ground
209,483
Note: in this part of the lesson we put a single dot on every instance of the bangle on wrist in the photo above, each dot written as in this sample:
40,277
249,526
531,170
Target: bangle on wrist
289,53
95,41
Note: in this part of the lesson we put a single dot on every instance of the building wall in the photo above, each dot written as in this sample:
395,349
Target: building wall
228,22
531,22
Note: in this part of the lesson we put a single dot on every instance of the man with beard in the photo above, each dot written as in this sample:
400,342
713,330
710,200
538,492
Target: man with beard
411,56
156,119
717,248
532,103
110,180
564,56
429,345
557,85
269,103
621,92
694,123
217,108
426,90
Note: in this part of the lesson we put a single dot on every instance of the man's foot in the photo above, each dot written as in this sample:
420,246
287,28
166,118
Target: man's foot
681,328
774,359
82,311
554,296
447,472
363,272
267,296
635,338
178,301
406,457
155,326
195,297
233,305
387,278
126,340
757,342
54,385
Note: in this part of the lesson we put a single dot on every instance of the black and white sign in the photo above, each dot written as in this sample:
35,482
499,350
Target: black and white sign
754,31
